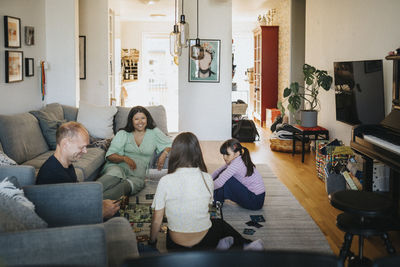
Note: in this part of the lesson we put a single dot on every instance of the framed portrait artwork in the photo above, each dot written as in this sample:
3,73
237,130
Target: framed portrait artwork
12,32
29,35
29,67
207,68
82,57
14,66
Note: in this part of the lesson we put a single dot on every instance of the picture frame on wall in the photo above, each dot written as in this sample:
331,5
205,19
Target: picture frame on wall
14,65
206,69
12,32
82,57
29,35
29,67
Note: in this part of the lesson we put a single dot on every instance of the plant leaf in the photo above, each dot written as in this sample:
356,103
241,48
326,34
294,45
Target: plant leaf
287,92
294,87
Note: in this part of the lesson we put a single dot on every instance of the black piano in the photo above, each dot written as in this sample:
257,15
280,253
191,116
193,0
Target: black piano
382,141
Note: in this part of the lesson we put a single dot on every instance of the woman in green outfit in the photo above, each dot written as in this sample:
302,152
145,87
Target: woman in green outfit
130,152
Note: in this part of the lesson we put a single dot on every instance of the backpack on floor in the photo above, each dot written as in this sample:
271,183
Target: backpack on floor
245,131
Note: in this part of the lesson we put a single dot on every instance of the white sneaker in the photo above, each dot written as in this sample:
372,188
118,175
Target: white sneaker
255,245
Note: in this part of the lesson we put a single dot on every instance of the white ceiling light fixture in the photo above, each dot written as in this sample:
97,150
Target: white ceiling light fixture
196,51
175,48
183,29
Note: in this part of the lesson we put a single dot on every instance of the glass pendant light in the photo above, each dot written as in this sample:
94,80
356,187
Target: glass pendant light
175,48
184,30
196,51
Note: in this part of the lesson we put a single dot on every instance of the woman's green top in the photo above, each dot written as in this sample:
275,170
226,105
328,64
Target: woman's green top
124,144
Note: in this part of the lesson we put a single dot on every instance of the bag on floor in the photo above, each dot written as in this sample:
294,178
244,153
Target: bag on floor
245,131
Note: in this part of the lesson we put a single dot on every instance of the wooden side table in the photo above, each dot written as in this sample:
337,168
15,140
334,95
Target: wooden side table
313,133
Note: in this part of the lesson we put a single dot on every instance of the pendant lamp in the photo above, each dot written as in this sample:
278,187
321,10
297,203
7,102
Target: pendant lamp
175,48
196,51
184,30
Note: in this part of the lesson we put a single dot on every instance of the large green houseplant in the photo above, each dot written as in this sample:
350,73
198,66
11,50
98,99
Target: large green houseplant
314,80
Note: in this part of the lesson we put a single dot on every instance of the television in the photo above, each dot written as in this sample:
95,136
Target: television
359,92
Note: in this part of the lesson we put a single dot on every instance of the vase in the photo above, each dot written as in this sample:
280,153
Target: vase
309,118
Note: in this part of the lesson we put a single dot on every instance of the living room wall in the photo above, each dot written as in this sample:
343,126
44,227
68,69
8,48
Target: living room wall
23,96
345,30
205,108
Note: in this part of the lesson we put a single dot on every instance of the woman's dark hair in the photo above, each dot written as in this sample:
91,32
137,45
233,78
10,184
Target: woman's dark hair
235,145
186,152
139,109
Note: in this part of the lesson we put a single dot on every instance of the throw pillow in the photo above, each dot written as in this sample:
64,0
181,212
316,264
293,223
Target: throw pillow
49,124
16,211
5,160
97,120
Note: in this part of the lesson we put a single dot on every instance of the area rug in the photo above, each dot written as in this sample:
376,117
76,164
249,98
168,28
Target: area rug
287,225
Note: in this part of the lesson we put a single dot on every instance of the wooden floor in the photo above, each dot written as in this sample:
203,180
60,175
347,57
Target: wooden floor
301,180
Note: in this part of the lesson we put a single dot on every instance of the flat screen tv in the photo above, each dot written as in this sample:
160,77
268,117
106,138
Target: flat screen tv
359,92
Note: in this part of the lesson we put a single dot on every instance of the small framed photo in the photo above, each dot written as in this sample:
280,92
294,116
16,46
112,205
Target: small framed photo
29,67
207,68
29,35
14,66
12,32
82,57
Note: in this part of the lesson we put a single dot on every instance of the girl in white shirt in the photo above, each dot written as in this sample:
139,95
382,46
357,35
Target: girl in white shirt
184,195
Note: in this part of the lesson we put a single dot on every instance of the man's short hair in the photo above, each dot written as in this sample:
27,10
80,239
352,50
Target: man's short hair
69,130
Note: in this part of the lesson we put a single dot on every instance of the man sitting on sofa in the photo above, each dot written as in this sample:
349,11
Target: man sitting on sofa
72,139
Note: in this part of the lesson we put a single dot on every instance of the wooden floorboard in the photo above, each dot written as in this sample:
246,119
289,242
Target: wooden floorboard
301,179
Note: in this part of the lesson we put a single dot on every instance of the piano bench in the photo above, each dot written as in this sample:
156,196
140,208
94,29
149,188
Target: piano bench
365,214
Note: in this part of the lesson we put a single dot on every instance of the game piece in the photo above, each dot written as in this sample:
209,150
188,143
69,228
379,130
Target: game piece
248,231
255,224
149,196
142,238
137,230
257,218
164,229
139,224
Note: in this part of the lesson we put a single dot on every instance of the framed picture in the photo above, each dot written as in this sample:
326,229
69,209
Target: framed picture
29,35
14,66
207,68
29,67
82,57
12,32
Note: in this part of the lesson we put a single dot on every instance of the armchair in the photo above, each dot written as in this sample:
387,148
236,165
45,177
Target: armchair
76,233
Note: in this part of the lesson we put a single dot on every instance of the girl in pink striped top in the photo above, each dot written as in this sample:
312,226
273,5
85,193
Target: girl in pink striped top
239,179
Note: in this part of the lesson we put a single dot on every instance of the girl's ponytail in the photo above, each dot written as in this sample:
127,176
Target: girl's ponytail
247,161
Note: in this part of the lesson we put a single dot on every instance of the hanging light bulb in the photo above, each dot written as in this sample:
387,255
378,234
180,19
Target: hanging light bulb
184,30
196,51
175,48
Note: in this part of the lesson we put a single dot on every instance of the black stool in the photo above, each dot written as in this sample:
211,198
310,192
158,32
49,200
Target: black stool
365,214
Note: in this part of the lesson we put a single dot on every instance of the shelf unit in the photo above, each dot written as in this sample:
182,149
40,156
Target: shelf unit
129,62
265,70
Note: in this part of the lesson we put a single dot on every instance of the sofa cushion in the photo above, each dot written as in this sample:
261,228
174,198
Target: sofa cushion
15,212
39,160
21,137
89,163
55,109
5,160
97,120
70,113
49,123
157,112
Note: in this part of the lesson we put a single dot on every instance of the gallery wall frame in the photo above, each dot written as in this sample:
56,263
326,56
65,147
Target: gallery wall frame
82,57
29,35
208,68
29,67
14,66
12,32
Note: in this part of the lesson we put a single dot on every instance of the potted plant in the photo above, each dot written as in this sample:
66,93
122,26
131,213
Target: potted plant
314,80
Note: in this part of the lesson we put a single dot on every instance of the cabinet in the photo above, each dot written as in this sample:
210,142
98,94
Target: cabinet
265,70
129,62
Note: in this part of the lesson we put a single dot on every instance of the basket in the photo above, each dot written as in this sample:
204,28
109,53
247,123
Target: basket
239,109
282,145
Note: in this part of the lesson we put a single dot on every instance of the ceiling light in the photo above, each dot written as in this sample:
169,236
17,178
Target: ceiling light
184,30
196,51
175,48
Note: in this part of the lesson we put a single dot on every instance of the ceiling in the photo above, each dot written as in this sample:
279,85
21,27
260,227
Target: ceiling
141,10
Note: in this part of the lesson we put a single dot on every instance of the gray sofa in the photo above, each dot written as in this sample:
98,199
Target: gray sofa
75,233
22,137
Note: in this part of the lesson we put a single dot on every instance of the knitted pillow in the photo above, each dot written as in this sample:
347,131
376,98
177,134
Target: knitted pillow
5,160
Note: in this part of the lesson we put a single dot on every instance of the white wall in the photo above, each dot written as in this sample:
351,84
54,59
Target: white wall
23,96
62,51
345,30
205,108
93,23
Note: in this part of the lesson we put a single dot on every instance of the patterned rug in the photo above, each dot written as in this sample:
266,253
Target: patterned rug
287,225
